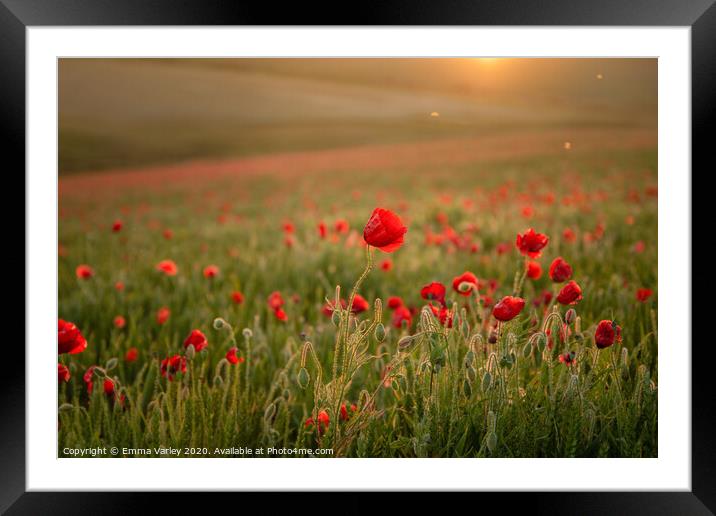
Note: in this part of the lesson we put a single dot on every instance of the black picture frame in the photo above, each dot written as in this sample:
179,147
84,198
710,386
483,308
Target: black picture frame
17,15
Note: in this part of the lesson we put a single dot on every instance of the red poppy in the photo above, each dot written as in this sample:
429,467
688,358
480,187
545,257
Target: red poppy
275,300
288,227
323,421
345,415
280,315
63,374
639,246
322,230
434,291
232,358
643,294
84,271
117,226
568,359
167,234
386,265
131,355
508,308
384,230
163,315
211,271
69,338
197,339
173,365
168,267
119,322
119,286
400,315
569,235
531,243
341,226
108,387
237,297
606,333
570,294
394,302
359,304
560,270
443,314
467,278
88,378
502,248
534,270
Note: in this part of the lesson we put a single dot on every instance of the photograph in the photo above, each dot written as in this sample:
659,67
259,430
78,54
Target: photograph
447,257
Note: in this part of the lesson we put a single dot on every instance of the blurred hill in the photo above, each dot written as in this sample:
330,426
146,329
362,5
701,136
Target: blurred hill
116,113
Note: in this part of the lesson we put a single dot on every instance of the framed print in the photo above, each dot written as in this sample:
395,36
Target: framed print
401,255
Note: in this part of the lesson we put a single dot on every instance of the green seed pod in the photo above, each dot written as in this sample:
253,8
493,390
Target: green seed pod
486,381
465,328
379,332
336,318
625,358
466,388
190,352
469,358
219,323
491,421
111,363
303,378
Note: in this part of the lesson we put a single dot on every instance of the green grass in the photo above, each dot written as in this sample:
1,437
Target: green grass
507,399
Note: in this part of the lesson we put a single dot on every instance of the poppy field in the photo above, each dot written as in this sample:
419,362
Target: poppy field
380,307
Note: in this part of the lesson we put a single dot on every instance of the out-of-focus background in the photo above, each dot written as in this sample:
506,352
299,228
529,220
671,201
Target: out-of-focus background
124,113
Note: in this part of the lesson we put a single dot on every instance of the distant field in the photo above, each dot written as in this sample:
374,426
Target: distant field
127,113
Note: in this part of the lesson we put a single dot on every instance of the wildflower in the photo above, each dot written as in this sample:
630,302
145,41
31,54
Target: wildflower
341,226
606,333
345,415
386,265
88,378
434,291
131,355
464,283
197,339
443,314
570,294
323,421
643,294
394,302
168,267
534,270
119,286
84,272
384,230
359,304
173,365
69,338
275,300
119,322
117,226
63,373
322,230
211,271
508,308
568,359
531,243
281,315
163,315
560,270
400,315
232,358
167,234
639,247
569,235
237,297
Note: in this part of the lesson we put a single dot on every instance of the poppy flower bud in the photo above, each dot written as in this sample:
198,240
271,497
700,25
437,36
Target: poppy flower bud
470,373
336,318
269,413
220,324
578,324
492,442
303,378
111,363
190,352
486,381
469,358
466,388
570,316
541,341
527,350
379,332
406,342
